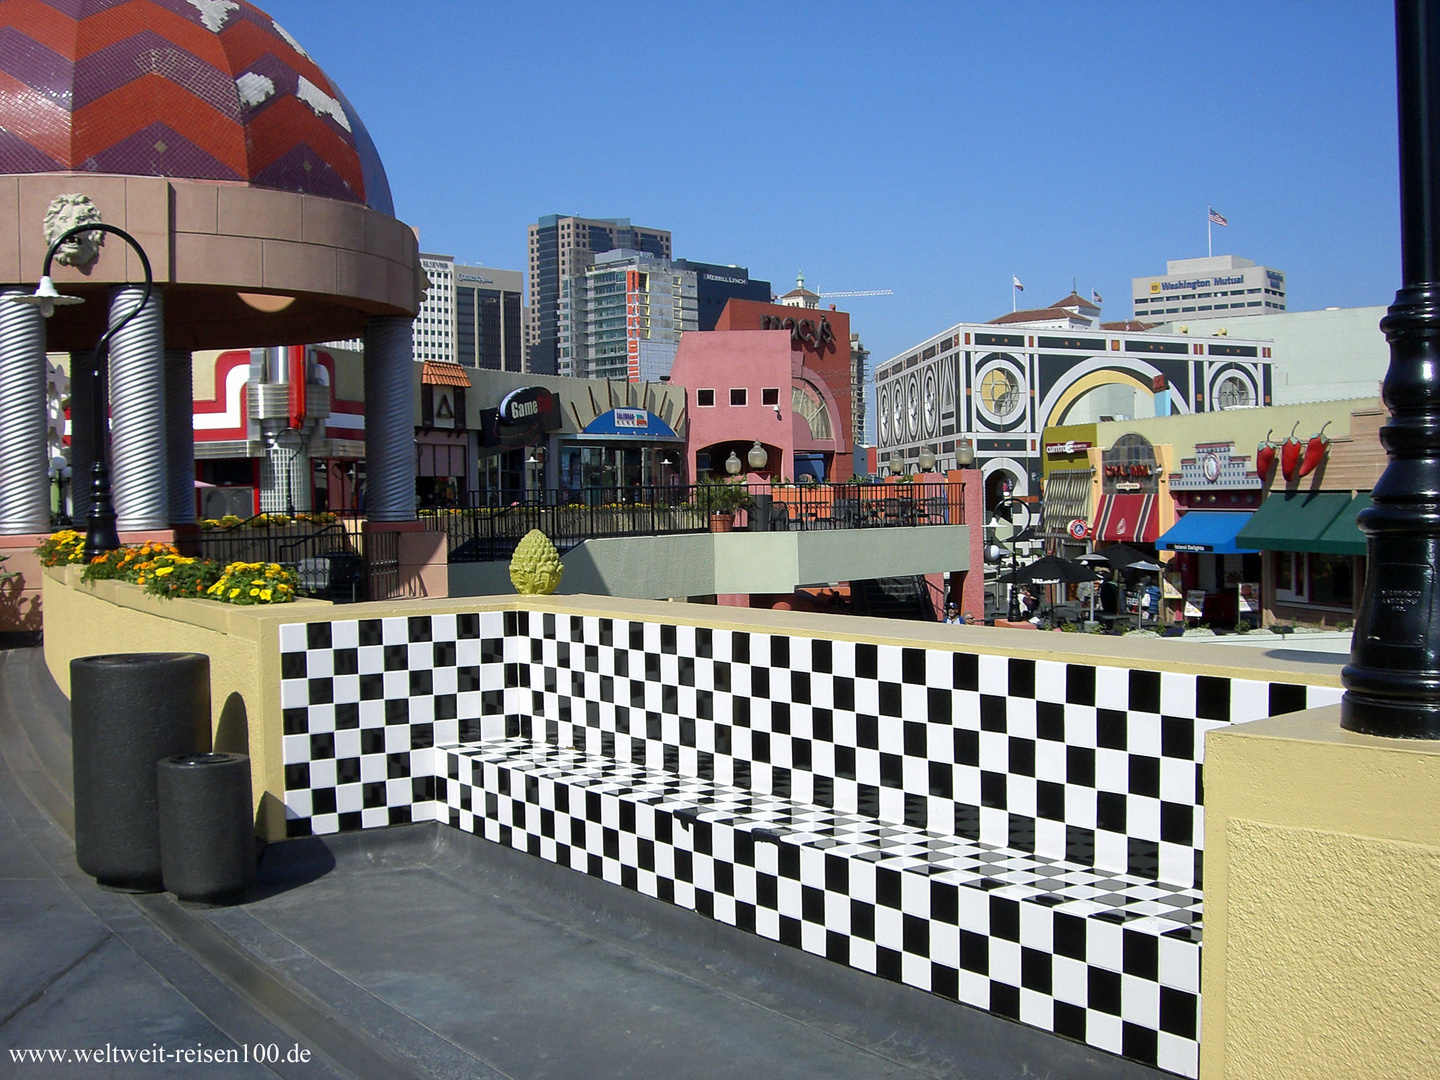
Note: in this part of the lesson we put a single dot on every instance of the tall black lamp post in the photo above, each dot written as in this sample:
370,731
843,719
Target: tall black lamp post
1392,683
100,534
994,554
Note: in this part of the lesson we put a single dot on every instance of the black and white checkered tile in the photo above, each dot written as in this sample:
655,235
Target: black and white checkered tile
1062,800
365,701
1112,960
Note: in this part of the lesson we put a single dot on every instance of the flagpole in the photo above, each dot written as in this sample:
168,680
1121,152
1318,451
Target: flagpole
1209,234
1012,295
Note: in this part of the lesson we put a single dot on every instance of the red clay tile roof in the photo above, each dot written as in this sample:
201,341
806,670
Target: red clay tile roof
1129,326
439,373
1076,300
1035,315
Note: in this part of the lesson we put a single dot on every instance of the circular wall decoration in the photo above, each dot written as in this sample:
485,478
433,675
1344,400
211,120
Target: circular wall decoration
912,406
1234,388
999,397
931,404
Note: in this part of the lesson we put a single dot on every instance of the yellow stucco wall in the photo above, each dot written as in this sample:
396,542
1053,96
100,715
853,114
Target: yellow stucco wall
242,644
1322,903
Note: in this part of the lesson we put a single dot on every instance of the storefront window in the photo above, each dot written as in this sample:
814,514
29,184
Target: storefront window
612,472
1322,580
1331,580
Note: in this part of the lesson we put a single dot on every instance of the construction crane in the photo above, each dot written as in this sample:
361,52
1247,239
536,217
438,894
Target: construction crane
800,287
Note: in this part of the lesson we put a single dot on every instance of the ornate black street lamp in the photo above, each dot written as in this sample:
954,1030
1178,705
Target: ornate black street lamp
995,554
100,534
1392,683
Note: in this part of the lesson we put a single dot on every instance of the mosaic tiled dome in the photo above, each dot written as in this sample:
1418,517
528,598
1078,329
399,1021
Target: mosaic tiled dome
204,89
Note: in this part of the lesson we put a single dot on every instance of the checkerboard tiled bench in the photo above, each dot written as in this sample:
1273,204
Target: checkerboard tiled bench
1019,835
1109,959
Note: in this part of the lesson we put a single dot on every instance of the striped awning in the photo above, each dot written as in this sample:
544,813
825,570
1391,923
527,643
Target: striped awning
1066,498
1127,518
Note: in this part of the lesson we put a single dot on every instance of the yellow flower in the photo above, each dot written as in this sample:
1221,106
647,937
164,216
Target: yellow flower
254,592
265,595
162,571
234,593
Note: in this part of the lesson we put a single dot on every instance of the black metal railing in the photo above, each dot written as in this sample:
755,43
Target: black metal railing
328,556
488,529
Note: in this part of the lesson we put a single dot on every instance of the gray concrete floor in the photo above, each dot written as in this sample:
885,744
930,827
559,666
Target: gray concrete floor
424,952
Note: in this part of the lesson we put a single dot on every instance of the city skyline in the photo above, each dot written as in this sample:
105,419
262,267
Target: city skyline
930,151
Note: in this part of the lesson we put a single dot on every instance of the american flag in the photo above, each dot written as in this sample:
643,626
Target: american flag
1217,218
1096,298
1015,281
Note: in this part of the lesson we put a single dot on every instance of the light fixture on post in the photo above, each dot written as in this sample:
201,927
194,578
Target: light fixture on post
964,453
896,463
1007,530
757,457
732,464
100,533
927,460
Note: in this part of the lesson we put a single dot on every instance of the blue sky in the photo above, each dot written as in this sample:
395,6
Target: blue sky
933,149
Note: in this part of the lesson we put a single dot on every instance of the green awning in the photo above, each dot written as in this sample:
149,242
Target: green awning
1343,536
1294,521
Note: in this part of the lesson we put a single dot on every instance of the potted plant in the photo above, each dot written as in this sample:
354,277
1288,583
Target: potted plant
720,499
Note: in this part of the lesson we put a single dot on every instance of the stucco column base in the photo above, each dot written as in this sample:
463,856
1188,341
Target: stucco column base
1322,902
423,556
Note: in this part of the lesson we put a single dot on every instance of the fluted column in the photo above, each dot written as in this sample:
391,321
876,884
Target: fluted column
180,436
137,414
24,506
389,424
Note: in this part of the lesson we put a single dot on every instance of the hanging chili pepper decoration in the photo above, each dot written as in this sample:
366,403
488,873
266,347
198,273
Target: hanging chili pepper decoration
1290,454
1314,451
1265,455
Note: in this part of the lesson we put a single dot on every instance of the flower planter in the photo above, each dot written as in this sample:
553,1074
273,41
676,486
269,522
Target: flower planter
722,523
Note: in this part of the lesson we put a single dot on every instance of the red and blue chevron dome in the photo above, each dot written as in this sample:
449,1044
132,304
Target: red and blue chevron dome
203,89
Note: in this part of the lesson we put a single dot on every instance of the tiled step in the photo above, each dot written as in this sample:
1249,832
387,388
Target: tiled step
1109,959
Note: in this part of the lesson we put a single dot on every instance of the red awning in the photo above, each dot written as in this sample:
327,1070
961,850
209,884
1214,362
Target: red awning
1127,519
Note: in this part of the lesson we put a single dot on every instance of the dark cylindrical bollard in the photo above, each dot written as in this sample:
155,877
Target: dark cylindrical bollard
127,711
760,513
207,830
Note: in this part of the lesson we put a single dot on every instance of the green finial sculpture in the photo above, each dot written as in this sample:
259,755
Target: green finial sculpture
535,568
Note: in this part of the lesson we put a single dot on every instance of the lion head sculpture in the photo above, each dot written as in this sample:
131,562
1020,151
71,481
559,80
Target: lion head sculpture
67,211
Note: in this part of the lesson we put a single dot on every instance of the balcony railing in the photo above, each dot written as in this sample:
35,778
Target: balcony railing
488,529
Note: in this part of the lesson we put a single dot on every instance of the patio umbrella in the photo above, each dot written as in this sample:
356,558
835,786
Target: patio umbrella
1121,556
1050,570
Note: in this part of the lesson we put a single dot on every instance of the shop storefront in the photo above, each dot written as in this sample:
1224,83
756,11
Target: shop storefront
442,442
620,450
1068,483
1133,508
1314,554
1216,494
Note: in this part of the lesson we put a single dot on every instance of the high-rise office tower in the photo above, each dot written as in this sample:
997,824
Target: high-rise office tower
623,317
565,246
470,315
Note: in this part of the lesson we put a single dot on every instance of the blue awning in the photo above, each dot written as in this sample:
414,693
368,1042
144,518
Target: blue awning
632,424
1206,530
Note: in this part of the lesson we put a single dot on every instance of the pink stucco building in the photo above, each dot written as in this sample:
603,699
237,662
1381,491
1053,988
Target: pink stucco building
749,386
